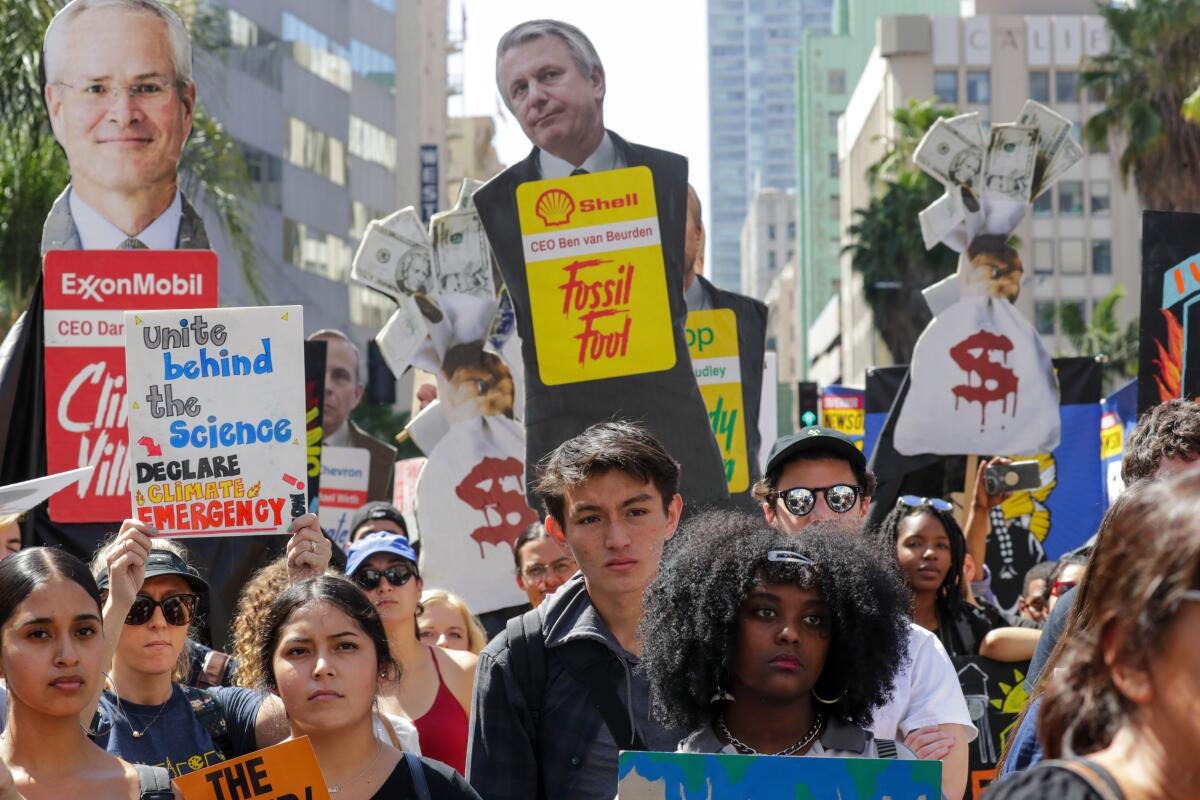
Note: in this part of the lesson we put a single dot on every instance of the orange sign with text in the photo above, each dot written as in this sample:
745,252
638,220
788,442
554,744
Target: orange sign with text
287,771
597,280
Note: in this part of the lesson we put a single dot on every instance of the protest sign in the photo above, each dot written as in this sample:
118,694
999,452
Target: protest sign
314,409
995,693
1170,320
701,776
217,419
712,338
86,293
843,409
1118,417
17,498
344,477
404,491
287,771
597,281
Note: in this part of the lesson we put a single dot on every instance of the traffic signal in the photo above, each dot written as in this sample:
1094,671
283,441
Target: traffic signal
808,402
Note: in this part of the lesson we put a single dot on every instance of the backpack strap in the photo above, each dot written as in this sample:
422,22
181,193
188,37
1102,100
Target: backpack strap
212,672
417,770
1098,779
886,748
210,713
591,664
153,783
527,648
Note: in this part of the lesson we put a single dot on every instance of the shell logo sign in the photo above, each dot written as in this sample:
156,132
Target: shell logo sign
597,281
555,207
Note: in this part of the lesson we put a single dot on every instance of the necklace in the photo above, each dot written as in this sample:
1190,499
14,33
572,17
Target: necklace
747,750
361,772
122,712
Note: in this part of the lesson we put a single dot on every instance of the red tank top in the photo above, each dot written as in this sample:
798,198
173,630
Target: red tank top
443,729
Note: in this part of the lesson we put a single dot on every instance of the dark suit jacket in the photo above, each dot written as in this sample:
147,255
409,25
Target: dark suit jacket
382,475
668,402
752,345
226,563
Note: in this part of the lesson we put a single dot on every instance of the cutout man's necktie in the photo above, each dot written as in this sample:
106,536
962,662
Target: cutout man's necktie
132,243
578,171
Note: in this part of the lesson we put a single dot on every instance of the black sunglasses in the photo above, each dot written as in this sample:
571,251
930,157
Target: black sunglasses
801,500
177,609
397,576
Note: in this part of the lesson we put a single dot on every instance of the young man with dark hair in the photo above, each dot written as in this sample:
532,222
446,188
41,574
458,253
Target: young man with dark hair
557,695
820,474
1166,440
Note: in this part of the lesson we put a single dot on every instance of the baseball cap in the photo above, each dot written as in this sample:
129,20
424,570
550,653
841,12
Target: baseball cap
164,562
378,542
814,437
378,510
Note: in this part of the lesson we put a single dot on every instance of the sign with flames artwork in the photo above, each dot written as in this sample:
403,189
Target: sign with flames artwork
1170,319
981,380
87,293
471,508
597,281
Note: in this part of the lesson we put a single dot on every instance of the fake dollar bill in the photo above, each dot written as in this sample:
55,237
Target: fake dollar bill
402,335
970,126
1067,156
950,157
1053,131
1011,160
940,218
393,264
461,254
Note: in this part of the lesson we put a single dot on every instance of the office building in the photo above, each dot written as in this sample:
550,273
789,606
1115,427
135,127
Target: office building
1080,240
339,108
828,68
768,239
752,112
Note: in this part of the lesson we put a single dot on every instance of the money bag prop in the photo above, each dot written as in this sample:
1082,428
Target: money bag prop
981,380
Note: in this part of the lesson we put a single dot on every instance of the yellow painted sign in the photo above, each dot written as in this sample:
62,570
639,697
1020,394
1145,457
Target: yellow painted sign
713,346
597,281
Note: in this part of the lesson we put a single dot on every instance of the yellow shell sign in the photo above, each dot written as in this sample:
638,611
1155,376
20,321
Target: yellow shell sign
713,345
597,281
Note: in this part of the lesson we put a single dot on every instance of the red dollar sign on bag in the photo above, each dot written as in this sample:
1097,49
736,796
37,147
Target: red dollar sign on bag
996,382
486,488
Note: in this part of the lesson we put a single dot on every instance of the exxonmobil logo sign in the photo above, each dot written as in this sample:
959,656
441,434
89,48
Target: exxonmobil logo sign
100,288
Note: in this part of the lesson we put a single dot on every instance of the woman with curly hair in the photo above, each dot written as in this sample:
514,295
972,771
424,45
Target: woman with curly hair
254,601
929,547
795,639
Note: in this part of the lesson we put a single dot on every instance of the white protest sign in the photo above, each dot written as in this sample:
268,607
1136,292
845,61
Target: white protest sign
344,475
17,498
217,419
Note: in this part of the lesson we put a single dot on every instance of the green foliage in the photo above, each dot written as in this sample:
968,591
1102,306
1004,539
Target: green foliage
1145,79
1104,336
34,171
885,239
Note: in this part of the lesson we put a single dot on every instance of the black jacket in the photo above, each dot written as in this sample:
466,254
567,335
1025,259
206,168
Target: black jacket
668,402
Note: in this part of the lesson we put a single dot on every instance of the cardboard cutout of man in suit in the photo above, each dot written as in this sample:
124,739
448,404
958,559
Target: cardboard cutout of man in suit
552,80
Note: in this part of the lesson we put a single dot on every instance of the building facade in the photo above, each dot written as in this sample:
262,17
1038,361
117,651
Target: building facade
469,153
1080,240
337,129
828,68
768,239
752,112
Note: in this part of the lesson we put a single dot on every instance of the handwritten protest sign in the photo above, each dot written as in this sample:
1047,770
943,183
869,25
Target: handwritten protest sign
217,419
713,346
700,776
287,771
597,281
86,293
345,472
1170,320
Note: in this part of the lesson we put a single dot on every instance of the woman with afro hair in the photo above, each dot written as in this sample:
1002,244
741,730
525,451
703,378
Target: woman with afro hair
927,543
761,642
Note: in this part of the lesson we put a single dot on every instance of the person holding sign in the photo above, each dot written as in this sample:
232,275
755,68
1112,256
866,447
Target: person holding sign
52,651
152,593
324,652
599,295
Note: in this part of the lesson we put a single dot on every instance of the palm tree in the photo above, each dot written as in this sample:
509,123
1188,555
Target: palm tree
33,169
1104,336
886,246
1145,79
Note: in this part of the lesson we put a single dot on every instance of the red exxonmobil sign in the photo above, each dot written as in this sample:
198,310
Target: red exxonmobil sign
86,294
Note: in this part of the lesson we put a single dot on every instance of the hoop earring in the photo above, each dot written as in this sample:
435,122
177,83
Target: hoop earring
820,699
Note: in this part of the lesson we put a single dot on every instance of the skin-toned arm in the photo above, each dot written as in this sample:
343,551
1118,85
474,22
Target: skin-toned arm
978,524
460,676
8,787
946,743
1010,644
126,563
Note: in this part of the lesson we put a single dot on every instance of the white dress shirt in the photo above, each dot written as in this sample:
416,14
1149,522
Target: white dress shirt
603,158
97,233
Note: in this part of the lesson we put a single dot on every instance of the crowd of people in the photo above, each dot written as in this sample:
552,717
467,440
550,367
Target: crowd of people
654,621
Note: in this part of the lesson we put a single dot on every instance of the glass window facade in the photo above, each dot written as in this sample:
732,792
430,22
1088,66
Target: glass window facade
1044,316
373,64
837,81
266,175
316,52
945,86
371,143
1101,198
316,151
1070,198
1043,256
979,87
1039,86
316,251
1071,257
1066,86
1102,257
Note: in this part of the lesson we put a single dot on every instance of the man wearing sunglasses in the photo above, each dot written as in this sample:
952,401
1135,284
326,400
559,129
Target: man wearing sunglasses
820,474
